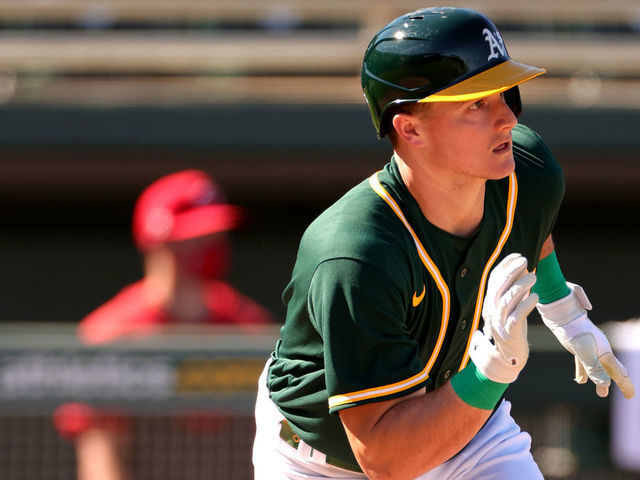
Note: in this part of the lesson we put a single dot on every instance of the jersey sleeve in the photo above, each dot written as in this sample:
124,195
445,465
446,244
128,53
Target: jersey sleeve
541,180
360,311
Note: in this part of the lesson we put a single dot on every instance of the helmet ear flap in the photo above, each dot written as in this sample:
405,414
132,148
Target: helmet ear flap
386,120
513,100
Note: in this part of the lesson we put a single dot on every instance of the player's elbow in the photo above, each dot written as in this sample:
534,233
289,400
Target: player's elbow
388,463
375,469
383,474
382,449
388,471
374,459
377,475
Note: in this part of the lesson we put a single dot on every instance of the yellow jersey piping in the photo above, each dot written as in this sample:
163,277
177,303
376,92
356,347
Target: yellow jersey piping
375,392
511,209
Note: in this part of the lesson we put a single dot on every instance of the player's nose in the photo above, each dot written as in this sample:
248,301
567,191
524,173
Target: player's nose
505,118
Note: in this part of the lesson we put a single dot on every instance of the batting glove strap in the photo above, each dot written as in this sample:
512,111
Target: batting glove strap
567,309
570,333
492,363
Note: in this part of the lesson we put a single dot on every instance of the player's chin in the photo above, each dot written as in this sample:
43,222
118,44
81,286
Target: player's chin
503,166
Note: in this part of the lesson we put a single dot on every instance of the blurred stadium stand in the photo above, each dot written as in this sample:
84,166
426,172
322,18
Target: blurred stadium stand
98,98
200,51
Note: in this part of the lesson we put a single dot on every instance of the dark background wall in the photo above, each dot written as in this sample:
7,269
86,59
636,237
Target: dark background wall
69,177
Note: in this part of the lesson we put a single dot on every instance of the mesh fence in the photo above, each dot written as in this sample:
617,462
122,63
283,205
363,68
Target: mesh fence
570,442
30,449
185,407
567,444
161,447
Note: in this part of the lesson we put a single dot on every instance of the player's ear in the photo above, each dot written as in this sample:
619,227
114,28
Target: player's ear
405,127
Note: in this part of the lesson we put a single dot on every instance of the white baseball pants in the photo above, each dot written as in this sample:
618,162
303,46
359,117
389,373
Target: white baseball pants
500,451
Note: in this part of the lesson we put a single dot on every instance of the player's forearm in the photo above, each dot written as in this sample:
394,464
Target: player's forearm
414,435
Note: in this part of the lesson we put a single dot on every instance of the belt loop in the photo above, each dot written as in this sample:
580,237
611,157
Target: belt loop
288,435
307,452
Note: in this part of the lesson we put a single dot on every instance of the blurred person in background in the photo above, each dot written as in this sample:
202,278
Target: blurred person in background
181,226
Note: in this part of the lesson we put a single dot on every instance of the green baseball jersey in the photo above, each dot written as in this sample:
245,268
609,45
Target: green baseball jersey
382,303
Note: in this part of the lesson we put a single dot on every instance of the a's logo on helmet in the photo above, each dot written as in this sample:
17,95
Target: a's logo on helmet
496,45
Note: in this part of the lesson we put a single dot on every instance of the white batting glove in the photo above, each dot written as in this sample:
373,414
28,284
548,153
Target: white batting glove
500,350
567,319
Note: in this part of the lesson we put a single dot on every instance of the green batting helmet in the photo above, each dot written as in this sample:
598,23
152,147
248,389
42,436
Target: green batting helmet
438,54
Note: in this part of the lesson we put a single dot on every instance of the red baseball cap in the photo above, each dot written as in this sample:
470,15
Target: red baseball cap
180,206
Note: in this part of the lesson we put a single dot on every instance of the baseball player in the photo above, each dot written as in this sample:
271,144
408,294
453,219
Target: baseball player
407,307
180,226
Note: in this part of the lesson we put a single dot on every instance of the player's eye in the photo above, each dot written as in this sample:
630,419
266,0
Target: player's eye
478,104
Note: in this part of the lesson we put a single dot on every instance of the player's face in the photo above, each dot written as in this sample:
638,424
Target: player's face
471,138
204,257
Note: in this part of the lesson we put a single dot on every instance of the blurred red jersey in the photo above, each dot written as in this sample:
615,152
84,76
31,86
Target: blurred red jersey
130,314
